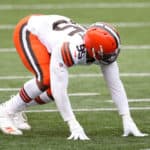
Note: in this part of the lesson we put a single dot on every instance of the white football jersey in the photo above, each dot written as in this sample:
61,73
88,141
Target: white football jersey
63,39
60,34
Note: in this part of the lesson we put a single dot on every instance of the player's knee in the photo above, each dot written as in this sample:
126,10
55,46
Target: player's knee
44,84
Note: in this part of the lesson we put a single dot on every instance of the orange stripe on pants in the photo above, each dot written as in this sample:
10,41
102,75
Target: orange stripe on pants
38,52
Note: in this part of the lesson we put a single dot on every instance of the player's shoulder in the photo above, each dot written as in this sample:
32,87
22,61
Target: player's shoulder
47,18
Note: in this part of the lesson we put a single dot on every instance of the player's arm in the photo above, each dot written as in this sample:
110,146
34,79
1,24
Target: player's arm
112,78
59,84
118,93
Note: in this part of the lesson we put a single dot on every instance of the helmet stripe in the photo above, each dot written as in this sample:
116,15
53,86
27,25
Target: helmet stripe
114,34
111,31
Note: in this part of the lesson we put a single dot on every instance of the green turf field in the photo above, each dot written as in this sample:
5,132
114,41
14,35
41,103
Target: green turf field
88,94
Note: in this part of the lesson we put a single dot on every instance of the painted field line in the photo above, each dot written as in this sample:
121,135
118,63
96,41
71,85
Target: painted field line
117,24
92,75
9,89
123,47
88,109
133,100
15,77
135,47
3,50
131,24
100,75
7,26
83,94
70,94
75,6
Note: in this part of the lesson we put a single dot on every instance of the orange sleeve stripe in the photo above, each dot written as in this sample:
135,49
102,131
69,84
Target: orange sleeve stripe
66,55
63,54
67,51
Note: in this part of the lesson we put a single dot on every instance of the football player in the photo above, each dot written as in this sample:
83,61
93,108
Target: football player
48,45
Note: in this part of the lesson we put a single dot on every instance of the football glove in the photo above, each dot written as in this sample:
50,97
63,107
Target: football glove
77,132
130,127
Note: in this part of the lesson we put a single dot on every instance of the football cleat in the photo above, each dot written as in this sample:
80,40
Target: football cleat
6,123
21,121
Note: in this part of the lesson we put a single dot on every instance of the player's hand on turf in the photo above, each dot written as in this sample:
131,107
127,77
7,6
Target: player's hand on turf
77,132
130,127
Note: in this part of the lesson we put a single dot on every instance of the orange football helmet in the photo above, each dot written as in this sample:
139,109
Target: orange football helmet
102,42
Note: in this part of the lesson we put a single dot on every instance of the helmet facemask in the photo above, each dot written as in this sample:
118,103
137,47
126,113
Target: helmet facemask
105,58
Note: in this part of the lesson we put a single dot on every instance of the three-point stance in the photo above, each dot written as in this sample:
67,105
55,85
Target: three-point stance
48,45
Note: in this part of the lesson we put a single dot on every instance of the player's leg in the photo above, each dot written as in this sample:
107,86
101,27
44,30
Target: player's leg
42,83
20,118
43,98
36,59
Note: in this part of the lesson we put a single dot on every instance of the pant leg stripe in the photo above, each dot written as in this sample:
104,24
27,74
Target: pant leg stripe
26,45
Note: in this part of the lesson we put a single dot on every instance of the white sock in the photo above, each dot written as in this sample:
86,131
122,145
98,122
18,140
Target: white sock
26,94
15,104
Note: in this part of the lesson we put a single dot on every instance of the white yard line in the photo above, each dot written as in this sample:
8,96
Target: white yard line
83,94
4,50
100,75
132,100
117,24
8,89
88,109
7,26
92,75
135,47
15,77
70,94
75,6
124,47
131,24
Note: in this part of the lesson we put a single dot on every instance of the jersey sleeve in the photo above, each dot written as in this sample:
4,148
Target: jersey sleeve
73,52
59,85
115,85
